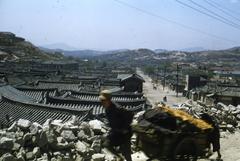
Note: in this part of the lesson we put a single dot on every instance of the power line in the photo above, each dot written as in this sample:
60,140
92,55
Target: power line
220,9
225,7
177,80
216,18
215,14
174,22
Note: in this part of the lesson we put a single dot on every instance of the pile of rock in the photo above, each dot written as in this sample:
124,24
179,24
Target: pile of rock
227,117
54,140
69,141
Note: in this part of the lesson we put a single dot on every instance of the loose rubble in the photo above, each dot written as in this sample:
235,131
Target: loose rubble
54,140
227,117
73,140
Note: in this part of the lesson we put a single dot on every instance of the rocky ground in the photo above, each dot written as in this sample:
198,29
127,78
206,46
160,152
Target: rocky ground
58,141
230,148
53,141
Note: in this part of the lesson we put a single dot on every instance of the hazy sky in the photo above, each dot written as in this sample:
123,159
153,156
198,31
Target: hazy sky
109,24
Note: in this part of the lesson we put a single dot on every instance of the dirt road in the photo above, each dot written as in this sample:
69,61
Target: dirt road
156,95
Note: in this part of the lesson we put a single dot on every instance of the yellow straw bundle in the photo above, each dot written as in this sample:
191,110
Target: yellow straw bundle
186,117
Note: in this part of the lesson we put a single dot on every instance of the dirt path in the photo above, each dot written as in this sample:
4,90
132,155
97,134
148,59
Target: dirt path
230,147
156,95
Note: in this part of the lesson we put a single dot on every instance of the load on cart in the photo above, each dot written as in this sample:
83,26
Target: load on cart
171,134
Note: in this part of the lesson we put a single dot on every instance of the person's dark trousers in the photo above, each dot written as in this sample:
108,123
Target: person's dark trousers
125,149
107,144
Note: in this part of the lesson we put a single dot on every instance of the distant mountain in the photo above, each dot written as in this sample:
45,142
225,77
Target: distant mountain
193,49
90,53
83,53
128,55
236,49
76,53
60,46
146,56
160,50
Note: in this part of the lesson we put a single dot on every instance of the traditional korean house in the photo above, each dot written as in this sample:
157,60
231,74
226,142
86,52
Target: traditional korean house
131,83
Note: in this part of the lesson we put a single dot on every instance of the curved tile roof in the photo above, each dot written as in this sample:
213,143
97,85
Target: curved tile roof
38,94
13,93
59,85
96,106
36,112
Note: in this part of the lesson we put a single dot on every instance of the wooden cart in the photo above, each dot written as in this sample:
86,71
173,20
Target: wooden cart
164,144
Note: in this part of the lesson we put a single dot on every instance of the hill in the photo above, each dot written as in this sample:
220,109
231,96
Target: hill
82,53
145,57
193,49
58,46
13,48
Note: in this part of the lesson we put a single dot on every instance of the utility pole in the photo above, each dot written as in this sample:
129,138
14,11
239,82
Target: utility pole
177,82
164,76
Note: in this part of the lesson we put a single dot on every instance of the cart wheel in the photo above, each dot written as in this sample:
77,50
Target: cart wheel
185,150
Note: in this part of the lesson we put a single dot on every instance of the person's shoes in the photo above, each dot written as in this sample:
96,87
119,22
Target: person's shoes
219,158
209,153
120,159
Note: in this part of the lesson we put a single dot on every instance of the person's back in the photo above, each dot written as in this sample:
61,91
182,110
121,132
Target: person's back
119,121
